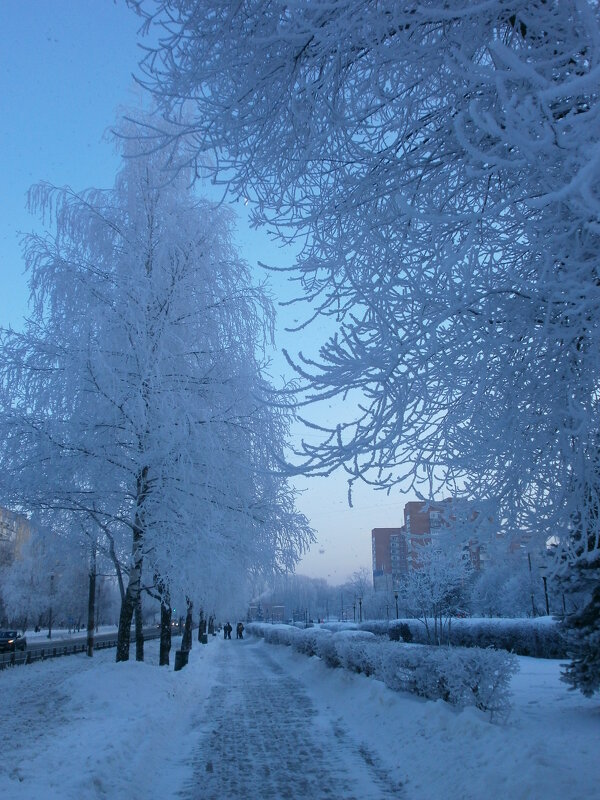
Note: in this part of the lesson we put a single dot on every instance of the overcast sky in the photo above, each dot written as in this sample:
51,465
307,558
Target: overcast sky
65,76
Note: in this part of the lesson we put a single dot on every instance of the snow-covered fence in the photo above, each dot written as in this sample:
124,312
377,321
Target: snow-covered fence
459,676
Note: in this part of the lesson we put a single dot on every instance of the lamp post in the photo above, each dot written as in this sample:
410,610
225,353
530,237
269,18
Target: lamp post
543,568
50,609
546,595
360,609
396,599
354,610
531,586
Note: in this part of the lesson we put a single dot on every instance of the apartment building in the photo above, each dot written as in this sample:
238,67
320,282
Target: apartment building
14,532
390,557
395,551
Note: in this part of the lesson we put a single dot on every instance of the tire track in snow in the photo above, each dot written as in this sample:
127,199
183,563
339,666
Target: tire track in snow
265,740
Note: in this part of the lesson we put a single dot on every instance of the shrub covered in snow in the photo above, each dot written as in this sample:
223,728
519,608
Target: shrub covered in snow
308,641
458,675
540,637
355,650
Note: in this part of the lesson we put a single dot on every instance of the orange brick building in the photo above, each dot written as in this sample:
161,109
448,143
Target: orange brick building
395,551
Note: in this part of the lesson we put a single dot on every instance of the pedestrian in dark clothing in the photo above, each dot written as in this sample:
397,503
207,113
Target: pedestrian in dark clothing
227,631
239,631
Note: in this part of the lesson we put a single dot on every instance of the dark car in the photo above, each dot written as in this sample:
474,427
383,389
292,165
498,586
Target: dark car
11,641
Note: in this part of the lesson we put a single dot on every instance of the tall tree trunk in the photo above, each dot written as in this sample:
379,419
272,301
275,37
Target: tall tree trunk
117,565
135,574
165,631
130,601
201,624
91,602
139,630
98,604
186,641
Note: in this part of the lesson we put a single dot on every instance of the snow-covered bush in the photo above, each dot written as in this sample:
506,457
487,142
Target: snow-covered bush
334,627
355,652
308,641
328,650
459,676
539,638
275,634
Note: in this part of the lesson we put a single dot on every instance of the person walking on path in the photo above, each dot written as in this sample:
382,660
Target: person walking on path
227,631
239,631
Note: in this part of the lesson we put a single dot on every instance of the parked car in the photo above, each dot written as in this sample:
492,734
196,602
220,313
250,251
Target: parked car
11,641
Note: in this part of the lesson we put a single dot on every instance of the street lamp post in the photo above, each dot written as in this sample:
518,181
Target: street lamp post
531,585
396,599
543,568
360,609
546,595
50,609
354,610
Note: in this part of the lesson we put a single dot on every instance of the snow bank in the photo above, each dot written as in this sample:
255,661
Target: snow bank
91,728
459,676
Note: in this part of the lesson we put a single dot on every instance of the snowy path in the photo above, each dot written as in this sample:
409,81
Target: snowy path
266,740
251,720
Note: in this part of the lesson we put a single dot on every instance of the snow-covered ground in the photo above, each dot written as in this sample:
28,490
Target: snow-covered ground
250,720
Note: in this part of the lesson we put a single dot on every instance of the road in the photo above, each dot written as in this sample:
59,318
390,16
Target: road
36,646
266,740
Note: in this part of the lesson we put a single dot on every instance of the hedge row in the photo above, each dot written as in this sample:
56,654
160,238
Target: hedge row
459,676
539,638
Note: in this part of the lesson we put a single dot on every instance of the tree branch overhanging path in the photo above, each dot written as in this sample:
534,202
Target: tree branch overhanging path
440,165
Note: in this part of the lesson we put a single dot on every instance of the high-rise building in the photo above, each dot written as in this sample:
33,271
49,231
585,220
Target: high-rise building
395,551
390,557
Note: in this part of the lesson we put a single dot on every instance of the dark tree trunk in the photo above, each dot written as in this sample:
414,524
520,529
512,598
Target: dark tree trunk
135,574
91,603
129,603
125,617
139,630
201,625
186,640
98,603
165,632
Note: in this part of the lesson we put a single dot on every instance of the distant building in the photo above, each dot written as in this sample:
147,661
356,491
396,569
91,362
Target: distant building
267,612
390,557
14,532
395,551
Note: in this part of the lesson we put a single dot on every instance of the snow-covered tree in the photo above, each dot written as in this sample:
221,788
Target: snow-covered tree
440,162
436,585
509,589
47,583
135,396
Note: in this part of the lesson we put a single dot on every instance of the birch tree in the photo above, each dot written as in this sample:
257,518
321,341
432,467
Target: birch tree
135,396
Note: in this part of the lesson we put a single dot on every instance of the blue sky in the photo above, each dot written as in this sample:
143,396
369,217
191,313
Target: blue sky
65,76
